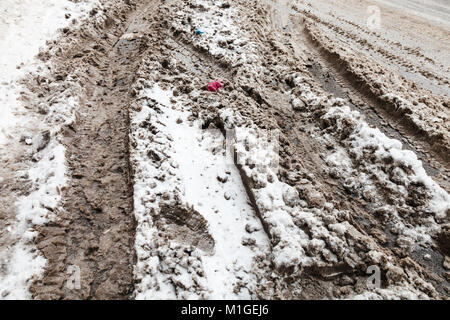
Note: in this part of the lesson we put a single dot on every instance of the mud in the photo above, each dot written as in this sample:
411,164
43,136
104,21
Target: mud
393,107
94,230
327,220
187,226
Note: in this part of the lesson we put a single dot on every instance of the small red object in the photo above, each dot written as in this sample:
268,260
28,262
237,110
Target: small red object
213,86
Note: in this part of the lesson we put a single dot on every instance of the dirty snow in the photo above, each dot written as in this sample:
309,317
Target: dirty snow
407,168
198,171
180,167
364,158
23,262
25,26
223,38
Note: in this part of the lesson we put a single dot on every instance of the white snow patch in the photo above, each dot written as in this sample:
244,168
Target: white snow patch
196,159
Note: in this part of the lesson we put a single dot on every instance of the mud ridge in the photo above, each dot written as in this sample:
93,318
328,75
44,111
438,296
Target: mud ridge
434,145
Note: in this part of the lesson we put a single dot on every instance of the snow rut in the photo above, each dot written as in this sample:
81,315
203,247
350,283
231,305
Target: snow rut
393,95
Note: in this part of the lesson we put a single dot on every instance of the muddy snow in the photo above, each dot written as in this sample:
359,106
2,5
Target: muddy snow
319,164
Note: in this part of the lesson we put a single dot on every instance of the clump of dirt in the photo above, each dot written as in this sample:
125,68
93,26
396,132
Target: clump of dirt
444,240
186,226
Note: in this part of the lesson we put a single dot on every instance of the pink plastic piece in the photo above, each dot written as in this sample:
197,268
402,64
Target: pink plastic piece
213,86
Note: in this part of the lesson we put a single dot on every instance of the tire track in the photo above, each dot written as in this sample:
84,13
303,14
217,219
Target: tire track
341,82
95,229
296,129
94,232
365,44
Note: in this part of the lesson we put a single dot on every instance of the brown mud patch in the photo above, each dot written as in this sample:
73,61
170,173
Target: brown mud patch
94,231
185,225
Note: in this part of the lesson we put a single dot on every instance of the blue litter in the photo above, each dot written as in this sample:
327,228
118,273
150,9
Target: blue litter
199,31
